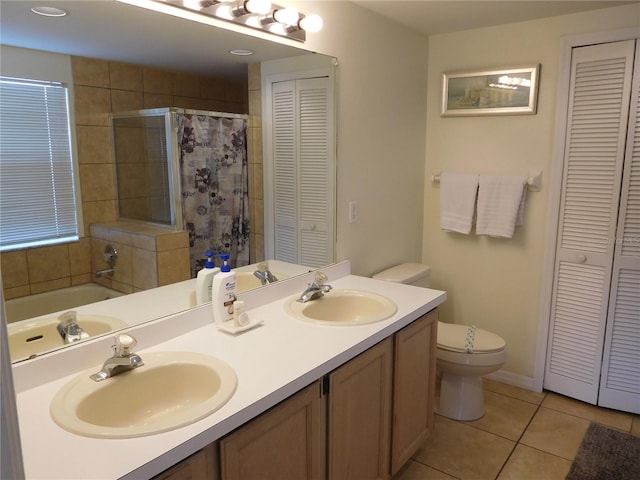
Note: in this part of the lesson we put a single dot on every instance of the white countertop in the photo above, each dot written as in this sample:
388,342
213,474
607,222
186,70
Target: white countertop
272,362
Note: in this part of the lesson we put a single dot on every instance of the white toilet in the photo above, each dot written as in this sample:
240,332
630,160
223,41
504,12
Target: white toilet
465,353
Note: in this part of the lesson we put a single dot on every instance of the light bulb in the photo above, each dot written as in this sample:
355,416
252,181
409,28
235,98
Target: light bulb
311,23
192,4
261,7
288,16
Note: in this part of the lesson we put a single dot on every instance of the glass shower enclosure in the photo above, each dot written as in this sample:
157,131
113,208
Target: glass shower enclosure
186,169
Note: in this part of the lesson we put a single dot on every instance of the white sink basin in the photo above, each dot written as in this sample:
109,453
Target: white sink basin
170,390
28,338
343,307
248,281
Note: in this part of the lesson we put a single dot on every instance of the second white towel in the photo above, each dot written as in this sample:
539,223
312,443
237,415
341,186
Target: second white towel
500,205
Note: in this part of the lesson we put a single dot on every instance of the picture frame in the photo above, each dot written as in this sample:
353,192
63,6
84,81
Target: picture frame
503,91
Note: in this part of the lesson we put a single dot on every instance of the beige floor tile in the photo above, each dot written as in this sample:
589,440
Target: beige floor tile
504,416
555,432
612,418
417,471
511,391
463,451
527,463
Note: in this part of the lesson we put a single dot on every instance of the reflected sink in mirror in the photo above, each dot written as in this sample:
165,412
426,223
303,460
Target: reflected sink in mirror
27,339
343,307
248,281
171,390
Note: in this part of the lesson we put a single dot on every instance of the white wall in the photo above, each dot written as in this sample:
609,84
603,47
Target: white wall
381,105
496,283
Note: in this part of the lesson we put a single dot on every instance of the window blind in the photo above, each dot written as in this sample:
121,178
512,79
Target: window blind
37,189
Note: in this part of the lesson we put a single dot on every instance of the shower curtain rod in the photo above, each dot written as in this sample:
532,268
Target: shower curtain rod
184,111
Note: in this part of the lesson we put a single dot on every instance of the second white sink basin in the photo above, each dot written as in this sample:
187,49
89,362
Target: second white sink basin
171,390
343,307
248,281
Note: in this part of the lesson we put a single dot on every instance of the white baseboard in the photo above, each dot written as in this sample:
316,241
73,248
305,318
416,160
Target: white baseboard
513,379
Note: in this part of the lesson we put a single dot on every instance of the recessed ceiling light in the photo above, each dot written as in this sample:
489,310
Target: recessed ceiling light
241,52
50,11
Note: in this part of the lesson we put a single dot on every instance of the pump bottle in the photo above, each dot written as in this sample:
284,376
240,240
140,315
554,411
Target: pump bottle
204,280
223,291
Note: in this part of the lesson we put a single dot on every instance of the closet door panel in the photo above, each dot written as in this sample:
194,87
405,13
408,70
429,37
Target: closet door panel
303,171
594,152
620,385
316,171
285,171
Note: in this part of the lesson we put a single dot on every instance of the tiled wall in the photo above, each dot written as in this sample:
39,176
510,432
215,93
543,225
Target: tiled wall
148,256
102,87
256,196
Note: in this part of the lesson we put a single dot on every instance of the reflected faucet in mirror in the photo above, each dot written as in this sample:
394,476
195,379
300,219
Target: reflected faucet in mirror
69,329
264,274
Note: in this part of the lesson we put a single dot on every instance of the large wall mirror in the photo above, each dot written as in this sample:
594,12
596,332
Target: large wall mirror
99,32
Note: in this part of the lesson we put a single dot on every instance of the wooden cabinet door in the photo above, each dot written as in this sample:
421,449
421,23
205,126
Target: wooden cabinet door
287,442
413,387
360,416
199,466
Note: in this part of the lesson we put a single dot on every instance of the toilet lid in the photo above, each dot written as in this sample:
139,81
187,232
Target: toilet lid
461,338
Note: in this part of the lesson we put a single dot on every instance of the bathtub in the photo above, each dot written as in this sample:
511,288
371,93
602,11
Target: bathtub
56,300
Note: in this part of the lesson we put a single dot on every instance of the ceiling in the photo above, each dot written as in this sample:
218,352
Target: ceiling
115,31
431,17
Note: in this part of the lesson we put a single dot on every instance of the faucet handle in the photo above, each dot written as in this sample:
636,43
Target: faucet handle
124,344
320,278
68,318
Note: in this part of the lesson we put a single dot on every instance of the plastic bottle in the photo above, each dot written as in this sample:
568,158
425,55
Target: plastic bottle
204,280
223,291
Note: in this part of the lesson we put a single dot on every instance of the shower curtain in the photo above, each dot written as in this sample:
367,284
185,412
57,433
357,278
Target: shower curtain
215,188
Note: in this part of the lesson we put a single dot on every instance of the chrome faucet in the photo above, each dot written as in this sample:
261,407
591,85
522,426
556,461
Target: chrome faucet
264,274
315,290
123,359
111,257
69,329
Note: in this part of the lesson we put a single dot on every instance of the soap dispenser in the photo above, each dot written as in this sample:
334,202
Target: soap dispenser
223,291
204,280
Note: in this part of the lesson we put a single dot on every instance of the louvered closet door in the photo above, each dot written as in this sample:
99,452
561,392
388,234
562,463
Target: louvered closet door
620,383
285,171
303,171
594,153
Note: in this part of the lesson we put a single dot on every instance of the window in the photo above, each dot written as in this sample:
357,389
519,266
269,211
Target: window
37,185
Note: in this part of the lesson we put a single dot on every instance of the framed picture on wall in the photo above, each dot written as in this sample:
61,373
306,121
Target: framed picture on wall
504,91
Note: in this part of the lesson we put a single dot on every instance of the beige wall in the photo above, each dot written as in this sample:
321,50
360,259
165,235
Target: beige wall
381,105
496,283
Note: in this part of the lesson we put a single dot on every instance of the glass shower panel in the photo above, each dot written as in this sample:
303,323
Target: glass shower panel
143,168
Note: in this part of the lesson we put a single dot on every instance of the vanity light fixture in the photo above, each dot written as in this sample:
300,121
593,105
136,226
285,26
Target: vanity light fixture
258,14
49,11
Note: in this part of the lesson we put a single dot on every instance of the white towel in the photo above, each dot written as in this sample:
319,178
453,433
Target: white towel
457,201
500,205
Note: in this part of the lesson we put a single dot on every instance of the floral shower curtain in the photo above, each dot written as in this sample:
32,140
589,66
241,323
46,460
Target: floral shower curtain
215,187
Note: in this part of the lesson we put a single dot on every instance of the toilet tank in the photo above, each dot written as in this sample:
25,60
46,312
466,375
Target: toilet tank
415,274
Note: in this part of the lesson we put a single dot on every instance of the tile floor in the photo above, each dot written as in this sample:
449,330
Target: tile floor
523,435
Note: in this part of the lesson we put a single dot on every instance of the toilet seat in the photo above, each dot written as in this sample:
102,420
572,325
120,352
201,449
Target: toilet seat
454,338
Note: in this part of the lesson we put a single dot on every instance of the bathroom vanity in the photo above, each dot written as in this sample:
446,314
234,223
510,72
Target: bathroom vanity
312,401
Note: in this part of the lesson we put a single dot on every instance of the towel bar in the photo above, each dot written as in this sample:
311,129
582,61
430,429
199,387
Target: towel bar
534,180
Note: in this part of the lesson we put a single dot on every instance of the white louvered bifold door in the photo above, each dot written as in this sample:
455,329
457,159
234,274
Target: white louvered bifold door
285,170
594,152
620,382
304,171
